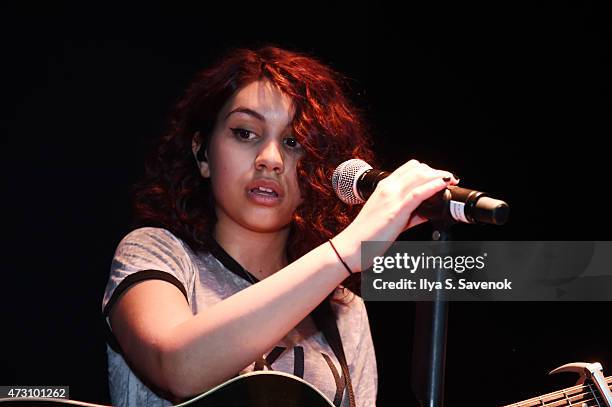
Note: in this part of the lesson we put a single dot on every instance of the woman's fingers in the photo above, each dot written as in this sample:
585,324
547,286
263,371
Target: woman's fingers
406,166
420,172
421,192
390,209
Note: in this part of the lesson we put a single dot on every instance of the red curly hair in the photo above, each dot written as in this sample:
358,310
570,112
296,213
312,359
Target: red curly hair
326,123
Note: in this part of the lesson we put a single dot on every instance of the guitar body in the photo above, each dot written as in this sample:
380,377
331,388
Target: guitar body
262,389
255,389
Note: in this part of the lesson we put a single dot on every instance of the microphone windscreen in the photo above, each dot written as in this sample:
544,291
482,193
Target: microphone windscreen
344,180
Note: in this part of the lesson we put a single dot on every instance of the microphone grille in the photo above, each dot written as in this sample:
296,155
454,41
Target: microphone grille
344,180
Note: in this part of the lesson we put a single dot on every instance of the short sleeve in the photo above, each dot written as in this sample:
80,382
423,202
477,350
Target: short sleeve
148,253
363,367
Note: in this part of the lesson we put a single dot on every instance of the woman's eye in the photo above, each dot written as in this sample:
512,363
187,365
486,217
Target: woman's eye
243,134
292,142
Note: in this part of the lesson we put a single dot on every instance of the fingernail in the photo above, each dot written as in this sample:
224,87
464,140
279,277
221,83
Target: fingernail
446,179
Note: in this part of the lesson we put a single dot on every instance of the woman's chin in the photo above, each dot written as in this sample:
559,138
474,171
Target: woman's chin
263,226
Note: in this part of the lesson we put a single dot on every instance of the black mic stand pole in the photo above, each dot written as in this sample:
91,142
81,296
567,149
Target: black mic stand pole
429,346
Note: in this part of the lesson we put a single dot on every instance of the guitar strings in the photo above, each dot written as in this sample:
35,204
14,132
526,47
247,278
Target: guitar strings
558,396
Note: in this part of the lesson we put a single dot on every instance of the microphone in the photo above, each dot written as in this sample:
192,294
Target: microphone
355,180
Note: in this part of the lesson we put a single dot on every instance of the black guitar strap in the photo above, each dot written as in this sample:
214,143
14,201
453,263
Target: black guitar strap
325,319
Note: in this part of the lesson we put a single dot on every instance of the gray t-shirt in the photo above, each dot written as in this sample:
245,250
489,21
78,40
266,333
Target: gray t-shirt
154,253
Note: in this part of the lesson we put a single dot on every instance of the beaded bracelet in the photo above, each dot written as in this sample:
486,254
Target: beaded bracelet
340,258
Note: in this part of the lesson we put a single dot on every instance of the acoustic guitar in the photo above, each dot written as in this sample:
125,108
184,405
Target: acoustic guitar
254,389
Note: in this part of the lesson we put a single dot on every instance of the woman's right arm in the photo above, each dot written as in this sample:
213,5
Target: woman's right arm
187,354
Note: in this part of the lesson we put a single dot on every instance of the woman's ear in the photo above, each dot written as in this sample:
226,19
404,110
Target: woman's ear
201,155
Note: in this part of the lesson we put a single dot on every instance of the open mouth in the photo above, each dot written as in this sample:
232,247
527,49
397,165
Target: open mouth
264,192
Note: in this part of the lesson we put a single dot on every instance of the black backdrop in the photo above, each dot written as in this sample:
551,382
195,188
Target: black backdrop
513,97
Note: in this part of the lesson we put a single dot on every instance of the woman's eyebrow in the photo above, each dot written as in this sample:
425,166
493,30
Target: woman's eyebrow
248,111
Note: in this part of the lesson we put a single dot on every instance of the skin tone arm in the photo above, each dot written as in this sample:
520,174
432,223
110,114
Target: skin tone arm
186,354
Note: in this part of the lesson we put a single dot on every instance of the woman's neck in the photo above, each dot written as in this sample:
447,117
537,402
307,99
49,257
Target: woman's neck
260,253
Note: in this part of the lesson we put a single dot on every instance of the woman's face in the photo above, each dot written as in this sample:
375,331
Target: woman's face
252,156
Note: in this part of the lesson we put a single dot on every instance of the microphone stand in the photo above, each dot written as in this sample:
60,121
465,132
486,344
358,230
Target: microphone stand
429,349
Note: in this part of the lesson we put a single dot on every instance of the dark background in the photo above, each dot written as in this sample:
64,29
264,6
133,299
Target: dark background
514,97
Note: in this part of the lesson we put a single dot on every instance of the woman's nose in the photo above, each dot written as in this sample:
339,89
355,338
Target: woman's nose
270,158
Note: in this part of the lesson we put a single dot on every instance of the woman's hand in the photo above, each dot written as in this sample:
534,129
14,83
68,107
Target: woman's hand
390,209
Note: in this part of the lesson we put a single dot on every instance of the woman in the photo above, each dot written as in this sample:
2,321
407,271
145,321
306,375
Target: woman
233,253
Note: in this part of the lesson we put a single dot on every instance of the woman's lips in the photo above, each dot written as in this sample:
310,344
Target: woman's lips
264,198
265,191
